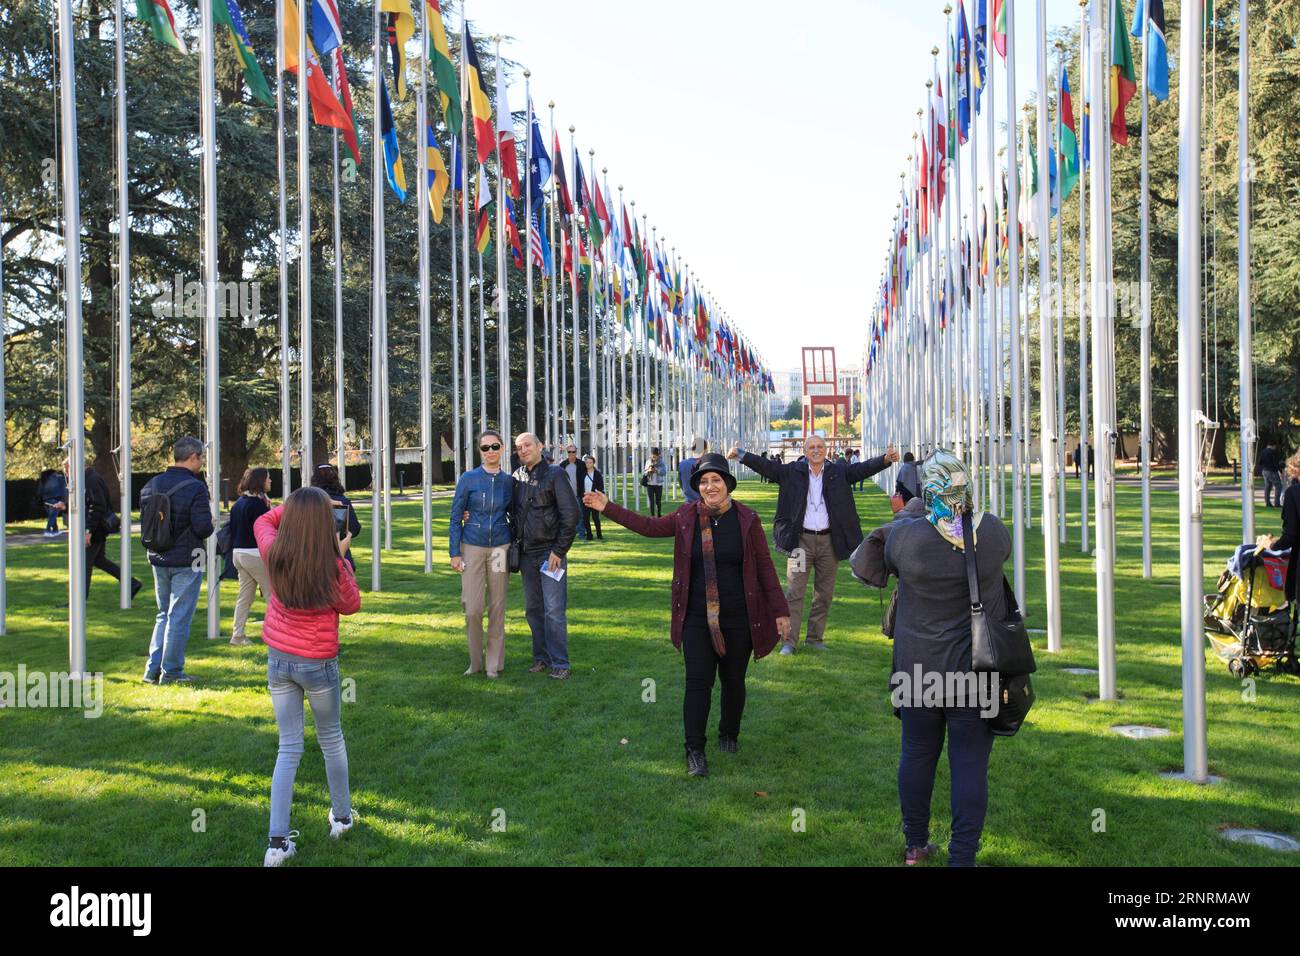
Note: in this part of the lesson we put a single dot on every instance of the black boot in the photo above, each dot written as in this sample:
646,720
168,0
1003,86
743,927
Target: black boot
728,745
696,765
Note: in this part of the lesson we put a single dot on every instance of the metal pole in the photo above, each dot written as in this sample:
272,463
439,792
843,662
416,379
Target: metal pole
123,331
503,258
211,332
1190,417
1013,238
1085,437
340,426
377,280
1048,437
1245,331
528,254
423,213
577,300
467,375
592,417
1144,362
304,260
286,399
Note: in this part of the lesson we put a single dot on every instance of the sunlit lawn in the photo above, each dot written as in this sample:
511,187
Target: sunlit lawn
587,771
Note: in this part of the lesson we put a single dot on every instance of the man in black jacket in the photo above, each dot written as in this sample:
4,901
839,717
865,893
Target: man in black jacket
816,525
543,519
178,571
101,521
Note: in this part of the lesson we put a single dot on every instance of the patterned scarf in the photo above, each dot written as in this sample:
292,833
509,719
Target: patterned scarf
712,604
945,488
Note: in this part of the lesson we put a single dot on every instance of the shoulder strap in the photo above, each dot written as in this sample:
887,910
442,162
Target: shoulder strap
972,577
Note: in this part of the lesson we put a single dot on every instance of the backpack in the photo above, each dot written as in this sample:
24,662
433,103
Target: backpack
157,528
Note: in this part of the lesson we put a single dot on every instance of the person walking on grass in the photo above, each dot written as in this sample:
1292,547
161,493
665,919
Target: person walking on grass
544,519
932,635
478,540
816,524
252,504
726,598
101,521
311,585
175,519
592,480
1270,469
652,476
52,493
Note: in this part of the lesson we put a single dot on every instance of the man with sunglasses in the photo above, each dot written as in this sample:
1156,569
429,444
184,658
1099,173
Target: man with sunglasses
575,470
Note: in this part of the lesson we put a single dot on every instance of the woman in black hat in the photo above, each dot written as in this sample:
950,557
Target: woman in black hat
727,600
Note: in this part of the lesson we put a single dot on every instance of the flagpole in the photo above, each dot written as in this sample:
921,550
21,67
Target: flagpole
123,332
995,320
1058,297
1102,277
467,362
286,400
304,244
577,298
422,214
1190,418
1026,351
377,306
1144,362
1245,331
1049,439
1013,239
503,262
340,429
1085,437
975,397
482,321
528,253
591,325
460,445
211,332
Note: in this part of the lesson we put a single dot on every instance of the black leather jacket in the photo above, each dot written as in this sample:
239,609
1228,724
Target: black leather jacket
544,514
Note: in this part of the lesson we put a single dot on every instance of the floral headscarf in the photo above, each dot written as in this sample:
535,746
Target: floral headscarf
946,490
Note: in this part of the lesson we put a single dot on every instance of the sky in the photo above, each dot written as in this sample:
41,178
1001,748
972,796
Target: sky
763,139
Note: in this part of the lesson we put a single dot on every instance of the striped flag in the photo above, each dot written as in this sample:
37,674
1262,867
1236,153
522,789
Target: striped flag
325,30
539,249
400,25
162,24
444,71
479,105
1123,77
325,107
226,13
392,156
439,181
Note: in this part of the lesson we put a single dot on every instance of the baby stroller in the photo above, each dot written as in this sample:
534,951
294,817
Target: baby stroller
1249,622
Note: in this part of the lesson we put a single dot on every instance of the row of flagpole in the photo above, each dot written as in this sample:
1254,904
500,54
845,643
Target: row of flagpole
937,342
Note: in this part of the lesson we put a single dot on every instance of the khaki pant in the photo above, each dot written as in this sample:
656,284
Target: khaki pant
252,573
485,568
815,554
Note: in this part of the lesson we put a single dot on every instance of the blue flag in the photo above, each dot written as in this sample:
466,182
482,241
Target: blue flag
963,76
1154,52
981,52
392,157
539,164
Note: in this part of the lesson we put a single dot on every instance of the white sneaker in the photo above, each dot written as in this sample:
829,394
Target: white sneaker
276,855
338,829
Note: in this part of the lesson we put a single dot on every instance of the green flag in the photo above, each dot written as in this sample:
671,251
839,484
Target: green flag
225,13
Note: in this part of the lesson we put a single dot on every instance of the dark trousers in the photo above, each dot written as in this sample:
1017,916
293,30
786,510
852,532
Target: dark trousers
969,744
656,493
588,515
51,519
96,558
702,664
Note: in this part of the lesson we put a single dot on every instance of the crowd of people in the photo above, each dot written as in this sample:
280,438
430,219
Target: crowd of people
726,603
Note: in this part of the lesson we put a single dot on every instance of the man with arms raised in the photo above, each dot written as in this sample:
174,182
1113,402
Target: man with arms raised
816,524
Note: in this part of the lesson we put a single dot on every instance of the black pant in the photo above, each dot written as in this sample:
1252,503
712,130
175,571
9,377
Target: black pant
969,744
587,515
96,558
656,493
702,663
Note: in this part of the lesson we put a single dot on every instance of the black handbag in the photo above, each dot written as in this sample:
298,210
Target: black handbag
1000,647
515,550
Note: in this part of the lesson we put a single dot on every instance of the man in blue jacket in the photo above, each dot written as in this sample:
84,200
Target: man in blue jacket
178,571
816,524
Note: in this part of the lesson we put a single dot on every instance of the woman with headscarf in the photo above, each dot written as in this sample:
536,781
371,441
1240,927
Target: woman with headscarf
932,635
727,600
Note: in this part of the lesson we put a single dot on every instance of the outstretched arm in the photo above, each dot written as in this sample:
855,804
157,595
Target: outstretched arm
643,525
771,470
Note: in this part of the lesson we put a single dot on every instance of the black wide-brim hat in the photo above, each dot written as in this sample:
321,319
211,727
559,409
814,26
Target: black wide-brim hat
715,463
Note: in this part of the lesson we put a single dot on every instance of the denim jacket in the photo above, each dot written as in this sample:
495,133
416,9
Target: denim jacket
487,498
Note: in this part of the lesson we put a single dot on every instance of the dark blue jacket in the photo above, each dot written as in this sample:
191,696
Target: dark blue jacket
243,513
487,498
191,512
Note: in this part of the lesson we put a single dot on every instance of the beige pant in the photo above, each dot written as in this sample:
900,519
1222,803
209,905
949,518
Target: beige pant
252,572
815,554
485,568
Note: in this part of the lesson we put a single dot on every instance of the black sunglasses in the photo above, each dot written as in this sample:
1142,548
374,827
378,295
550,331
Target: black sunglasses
495,447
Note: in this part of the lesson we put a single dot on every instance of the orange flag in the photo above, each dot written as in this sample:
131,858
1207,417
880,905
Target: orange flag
325,107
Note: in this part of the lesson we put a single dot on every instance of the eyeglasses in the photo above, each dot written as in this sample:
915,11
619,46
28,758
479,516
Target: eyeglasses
493,447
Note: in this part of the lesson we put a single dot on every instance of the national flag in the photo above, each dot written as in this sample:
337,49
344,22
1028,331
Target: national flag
964,77
439,181
539,249
400,26
444,71
1155,55
226,13
561,183
326,110
939,145
506,135
979,62
1067,141
483,229
602,212
339,83
162,24
512,235
325,30
582,199
1123,78
479,106
539,164
392,156
1000,27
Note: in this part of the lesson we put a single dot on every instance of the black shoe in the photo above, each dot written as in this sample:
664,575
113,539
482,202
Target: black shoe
728,745
696,765
136,585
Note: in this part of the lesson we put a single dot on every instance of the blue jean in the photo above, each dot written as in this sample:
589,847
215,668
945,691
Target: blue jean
969,744
545,606
1272,480
289,681
51,519
177,590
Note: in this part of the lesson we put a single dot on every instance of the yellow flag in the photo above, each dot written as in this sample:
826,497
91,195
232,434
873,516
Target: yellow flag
401,27
439,181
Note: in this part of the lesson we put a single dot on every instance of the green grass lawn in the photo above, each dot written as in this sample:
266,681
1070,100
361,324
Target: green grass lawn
586,772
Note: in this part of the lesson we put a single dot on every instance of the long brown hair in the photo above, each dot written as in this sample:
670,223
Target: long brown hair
302,562
254,480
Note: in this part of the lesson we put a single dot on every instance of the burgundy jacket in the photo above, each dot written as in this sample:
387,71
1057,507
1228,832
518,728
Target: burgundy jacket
764,600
